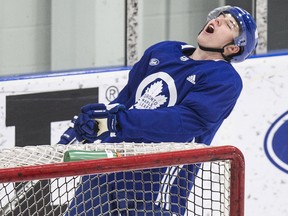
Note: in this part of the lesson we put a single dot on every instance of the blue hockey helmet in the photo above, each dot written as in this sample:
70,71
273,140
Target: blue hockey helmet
248,36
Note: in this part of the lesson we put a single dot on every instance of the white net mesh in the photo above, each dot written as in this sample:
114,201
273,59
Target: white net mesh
47,154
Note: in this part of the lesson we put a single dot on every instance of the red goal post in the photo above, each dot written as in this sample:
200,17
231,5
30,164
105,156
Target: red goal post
22,168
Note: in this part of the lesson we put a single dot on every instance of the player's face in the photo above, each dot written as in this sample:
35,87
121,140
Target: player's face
219,31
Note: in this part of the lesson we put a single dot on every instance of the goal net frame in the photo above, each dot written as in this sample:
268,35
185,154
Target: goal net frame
142,161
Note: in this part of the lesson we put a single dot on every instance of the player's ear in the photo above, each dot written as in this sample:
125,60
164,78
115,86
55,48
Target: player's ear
232,49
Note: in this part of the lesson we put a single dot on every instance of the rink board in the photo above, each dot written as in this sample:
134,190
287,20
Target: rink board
40,107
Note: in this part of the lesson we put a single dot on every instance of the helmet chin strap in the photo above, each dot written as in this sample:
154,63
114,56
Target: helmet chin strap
219,50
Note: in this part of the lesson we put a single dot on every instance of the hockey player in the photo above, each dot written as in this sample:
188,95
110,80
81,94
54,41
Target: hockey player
175,93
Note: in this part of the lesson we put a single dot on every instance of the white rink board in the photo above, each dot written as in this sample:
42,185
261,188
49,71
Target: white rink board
104,79
262,102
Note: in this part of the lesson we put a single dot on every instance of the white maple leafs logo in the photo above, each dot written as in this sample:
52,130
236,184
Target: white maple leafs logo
152,99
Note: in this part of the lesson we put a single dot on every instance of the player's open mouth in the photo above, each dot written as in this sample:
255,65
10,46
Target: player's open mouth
210,29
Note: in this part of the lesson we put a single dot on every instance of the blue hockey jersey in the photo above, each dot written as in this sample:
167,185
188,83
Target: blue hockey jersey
172,97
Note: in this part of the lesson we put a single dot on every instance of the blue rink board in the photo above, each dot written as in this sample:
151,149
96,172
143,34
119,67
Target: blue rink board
49,74
72,72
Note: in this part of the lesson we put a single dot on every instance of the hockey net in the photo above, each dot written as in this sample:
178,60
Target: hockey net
34,180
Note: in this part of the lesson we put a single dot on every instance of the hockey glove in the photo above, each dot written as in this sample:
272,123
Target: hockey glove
96,119
86,128
69,136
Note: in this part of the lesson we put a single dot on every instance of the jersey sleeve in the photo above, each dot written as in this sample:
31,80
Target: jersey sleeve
160,125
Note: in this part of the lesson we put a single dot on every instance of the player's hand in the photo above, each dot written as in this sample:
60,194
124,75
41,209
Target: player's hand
96,119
